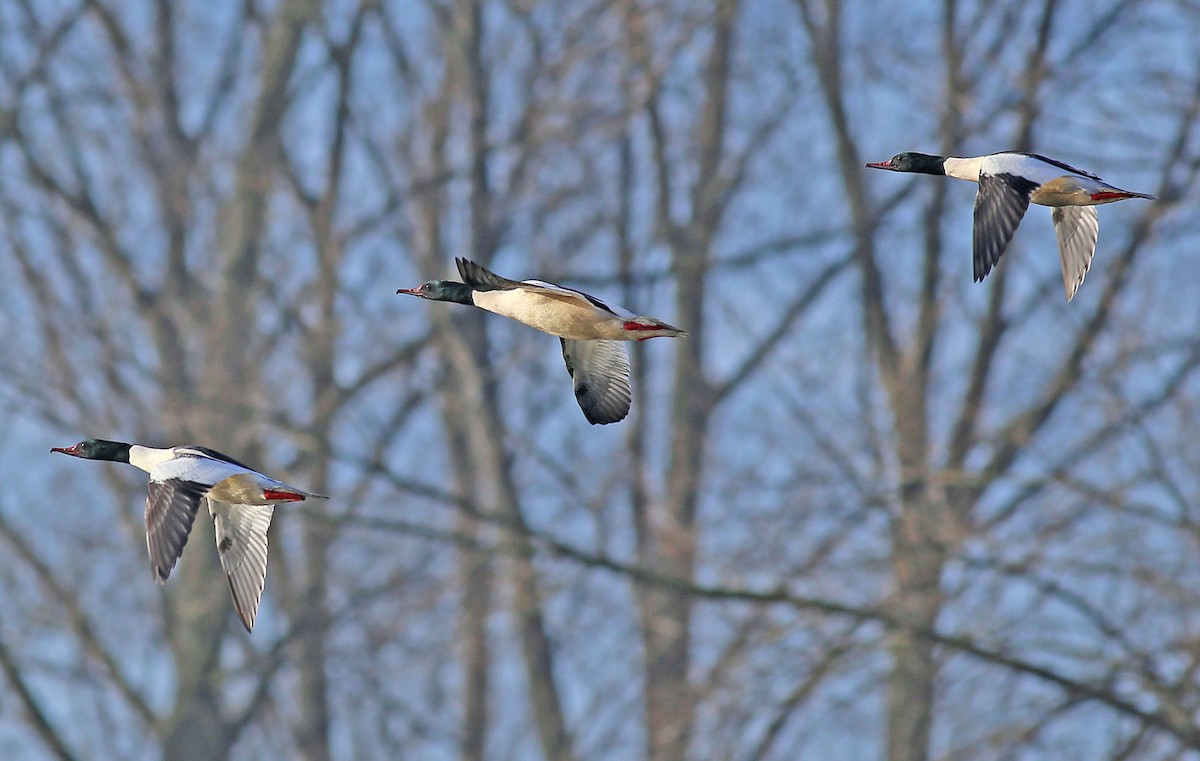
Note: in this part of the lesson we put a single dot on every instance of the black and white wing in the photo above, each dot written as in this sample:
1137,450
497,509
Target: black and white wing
176,488
242,547
170,510
1077,228
600,372
999,206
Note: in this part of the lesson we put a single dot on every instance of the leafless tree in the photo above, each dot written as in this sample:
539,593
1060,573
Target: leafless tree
865,505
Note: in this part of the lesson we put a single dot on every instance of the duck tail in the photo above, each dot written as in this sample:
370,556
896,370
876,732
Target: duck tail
651,324
1116,194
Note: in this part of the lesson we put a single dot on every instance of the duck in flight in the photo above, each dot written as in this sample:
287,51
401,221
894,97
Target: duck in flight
590,330
240,499
1008,182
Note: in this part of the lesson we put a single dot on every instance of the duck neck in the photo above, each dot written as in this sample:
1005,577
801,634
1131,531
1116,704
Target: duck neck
146,458
113,451
963,169
459,293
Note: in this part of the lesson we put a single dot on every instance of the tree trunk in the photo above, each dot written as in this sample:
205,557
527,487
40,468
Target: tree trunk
666,613
671,548
496,495
200,613
197,614
918,557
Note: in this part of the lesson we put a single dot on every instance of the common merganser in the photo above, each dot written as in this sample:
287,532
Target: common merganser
1008,182
588,328
240,499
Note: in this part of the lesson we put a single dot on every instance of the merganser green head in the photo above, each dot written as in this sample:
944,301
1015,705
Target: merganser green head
97,449
441,290
921,163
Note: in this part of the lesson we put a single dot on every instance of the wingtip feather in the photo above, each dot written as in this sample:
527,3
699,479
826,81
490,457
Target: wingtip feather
244,615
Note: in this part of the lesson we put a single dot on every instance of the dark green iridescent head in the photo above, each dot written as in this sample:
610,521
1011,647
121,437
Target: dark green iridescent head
97,449
921,163
441,290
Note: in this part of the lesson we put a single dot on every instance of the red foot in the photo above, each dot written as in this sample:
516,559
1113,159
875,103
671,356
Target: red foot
1108,195
282,496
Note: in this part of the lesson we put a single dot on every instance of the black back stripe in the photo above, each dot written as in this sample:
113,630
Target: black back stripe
214,454
1056,163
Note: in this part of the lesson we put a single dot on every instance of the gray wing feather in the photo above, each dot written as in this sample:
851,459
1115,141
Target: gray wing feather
600,372
170,510
242,547
1077,228
999,206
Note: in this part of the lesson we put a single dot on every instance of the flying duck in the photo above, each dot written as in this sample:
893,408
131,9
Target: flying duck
1008,182
240,500
588,328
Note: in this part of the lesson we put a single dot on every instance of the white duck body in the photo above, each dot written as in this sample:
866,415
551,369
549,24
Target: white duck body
563,312
223,479
568,314
1054,183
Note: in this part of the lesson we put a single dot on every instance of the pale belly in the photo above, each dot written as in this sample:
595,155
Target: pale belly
559,317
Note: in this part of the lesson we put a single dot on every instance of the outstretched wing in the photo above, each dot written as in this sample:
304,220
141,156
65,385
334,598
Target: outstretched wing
1077,228
176,487
170,510
999,205
480,278
600,372
242,547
